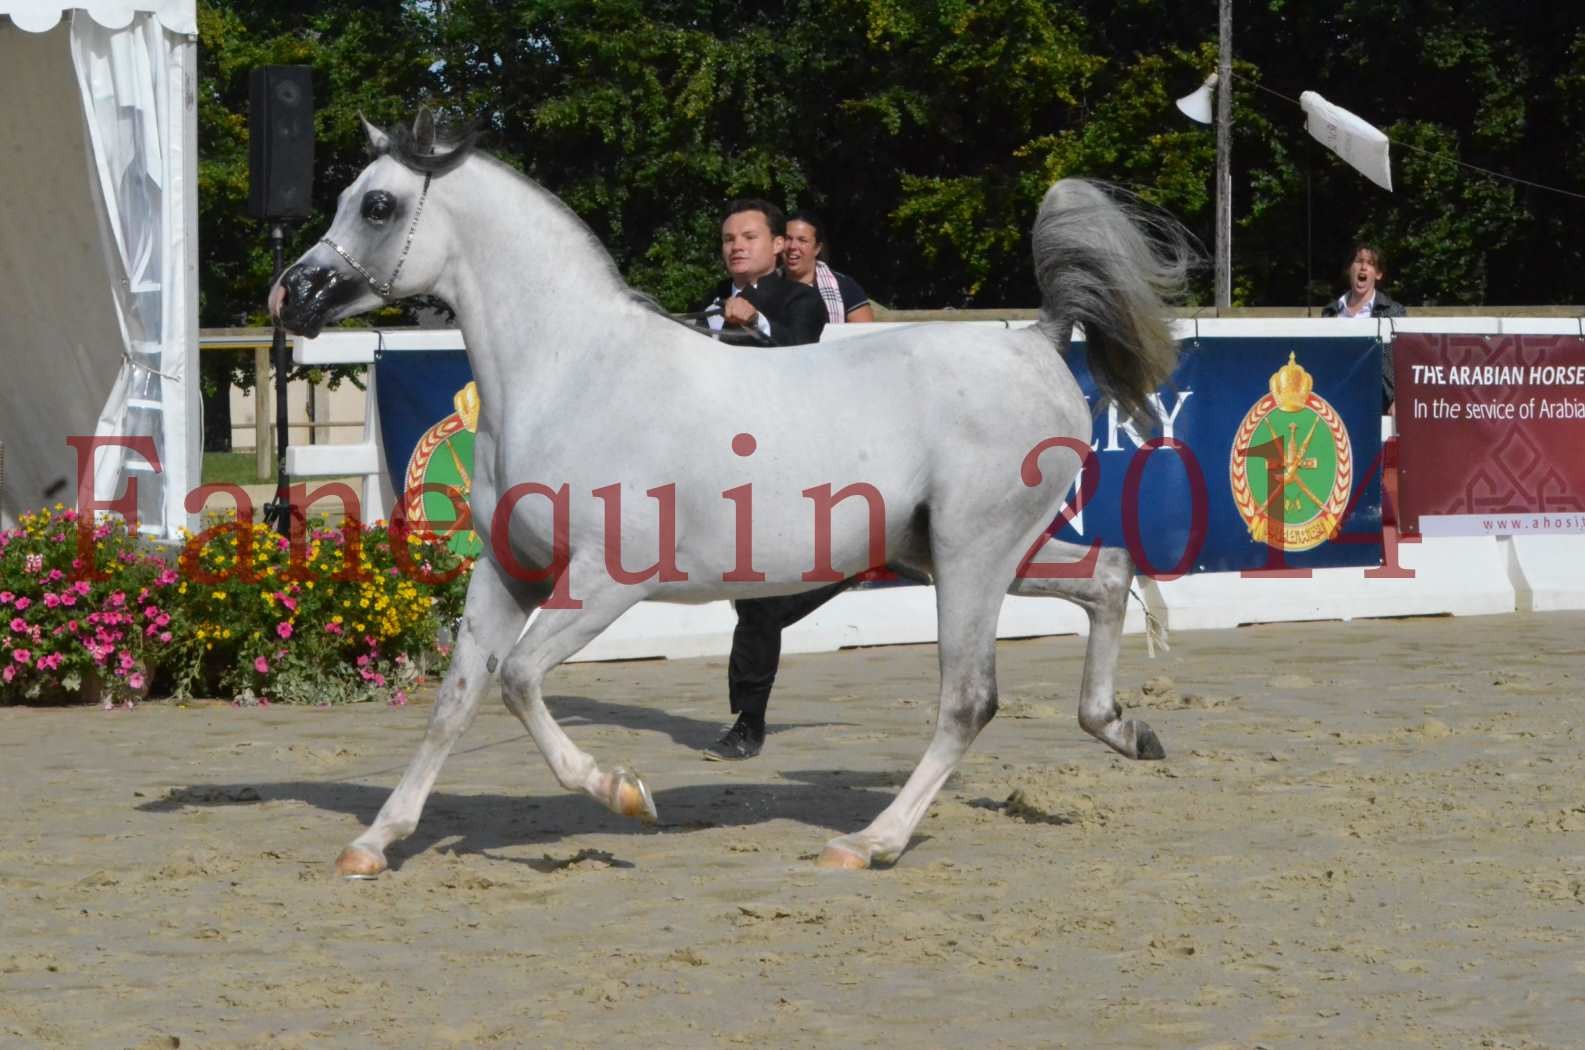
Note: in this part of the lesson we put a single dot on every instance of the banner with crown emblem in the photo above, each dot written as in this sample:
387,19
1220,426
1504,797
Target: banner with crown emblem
1265,454
429,411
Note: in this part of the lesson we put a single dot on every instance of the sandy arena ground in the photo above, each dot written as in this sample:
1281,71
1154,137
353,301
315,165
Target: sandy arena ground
1365,835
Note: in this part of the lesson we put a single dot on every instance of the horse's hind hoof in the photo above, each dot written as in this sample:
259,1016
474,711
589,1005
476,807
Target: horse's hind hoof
1147,744
630,797
356,862
838,856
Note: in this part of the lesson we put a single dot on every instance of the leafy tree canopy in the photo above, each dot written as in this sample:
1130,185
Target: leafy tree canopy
925,131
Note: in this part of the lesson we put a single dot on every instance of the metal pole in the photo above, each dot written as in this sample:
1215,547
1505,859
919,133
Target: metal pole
279,511
261,412
1224,157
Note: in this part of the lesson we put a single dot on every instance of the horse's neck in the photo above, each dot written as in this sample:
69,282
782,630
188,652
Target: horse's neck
537,301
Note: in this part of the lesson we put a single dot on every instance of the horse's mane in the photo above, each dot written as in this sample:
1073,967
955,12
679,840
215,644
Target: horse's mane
448,152
438,158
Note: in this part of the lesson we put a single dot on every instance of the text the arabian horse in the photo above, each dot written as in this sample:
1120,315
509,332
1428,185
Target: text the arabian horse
609,435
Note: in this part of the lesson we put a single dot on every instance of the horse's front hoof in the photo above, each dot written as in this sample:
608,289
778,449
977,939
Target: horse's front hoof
356,862
1146,743
630,797
838,856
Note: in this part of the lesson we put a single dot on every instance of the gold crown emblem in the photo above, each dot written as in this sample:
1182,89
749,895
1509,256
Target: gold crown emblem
1291,386
466,402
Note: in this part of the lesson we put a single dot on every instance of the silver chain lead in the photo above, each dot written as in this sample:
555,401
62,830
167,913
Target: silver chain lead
383,288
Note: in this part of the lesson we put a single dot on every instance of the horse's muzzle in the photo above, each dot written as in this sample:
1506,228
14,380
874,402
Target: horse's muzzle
305,296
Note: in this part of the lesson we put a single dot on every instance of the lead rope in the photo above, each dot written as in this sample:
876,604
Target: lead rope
1155,630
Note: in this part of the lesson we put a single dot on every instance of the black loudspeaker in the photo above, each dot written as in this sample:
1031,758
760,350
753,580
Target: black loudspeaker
281,141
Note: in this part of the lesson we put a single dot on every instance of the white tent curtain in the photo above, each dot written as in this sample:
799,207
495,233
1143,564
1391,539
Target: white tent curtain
134,68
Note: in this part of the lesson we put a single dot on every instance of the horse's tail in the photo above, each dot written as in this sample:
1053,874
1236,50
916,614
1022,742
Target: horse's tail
1110,268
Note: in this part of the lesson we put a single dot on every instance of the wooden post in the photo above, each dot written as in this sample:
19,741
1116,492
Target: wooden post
263,447
1224,158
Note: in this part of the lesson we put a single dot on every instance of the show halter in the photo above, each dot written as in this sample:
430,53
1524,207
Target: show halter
383,289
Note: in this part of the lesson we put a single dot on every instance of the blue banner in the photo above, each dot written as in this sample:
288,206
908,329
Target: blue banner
1266,454
429,410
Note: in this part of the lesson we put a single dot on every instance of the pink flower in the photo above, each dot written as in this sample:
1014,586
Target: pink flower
18,624
261,665
290,603
166,578
8,674
82,587
118,599
363,661
23,603
399,699
68,598
136,680
51,600
284,629
55,575
165,636
333,628
5,597
21,656
34,563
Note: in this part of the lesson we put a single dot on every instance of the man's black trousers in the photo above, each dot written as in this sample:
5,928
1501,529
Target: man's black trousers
756,644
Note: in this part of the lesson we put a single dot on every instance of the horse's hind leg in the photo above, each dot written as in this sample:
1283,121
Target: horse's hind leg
491,618
966,610
553,637
1103,594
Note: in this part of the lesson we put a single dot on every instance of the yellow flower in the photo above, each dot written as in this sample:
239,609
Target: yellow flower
218,596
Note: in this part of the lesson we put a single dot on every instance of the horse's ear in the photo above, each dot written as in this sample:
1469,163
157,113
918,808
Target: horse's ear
379,141
424,131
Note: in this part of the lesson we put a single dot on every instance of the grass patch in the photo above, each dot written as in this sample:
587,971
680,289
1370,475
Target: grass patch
235,468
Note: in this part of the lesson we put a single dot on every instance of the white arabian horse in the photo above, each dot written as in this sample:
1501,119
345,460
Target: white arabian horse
610,435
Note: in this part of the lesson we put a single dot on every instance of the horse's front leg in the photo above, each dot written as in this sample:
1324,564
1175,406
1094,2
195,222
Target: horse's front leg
492,618
555,635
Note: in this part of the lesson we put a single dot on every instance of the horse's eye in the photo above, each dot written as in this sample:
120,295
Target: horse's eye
378,206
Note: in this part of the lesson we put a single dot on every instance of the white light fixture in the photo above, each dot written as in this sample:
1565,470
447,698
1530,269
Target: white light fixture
1197,106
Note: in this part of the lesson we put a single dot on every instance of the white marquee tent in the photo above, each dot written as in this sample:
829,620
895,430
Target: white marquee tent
98,250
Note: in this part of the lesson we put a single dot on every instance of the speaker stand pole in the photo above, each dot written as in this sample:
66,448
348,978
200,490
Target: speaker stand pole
279,511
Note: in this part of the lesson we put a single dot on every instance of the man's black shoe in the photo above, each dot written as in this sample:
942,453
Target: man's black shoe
741,741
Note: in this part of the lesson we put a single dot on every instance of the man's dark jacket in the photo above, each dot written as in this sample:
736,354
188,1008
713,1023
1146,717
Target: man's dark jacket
1384,306
795,310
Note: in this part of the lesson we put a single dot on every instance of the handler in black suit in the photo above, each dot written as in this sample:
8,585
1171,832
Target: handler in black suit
757,301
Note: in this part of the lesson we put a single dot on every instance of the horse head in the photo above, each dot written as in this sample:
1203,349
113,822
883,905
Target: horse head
377,249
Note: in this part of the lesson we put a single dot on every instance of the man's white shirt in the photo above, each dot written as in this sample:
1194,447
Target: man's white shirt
1366,308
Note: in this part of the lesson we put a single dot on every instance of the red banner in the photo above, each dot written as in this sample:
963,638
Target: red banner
1491,434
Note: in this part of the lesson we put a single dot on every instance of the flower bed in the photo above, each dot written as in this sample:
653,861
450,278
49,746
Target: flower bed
334,615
